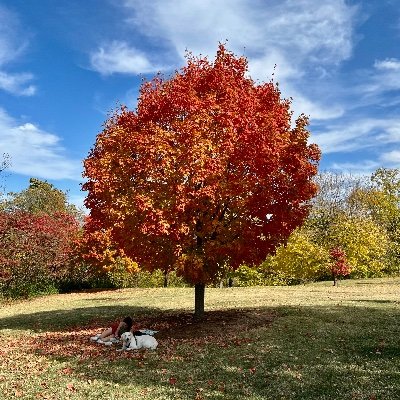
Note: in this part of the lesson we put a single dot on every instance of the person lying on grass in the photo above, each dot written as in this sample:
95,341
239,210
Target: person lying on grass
113,333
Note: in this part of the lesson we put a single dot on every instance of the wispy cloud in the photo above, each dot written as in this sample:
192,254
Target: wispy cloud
348,136
324,35
384,77
119,57
35,152
18,84
302,44
391,64
389,159
363,168
12,44
392,157
316,109
302,50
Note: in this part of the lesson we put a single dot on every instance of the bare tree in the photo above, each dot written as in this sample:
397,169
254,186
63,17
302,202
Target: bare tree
5,163
334,198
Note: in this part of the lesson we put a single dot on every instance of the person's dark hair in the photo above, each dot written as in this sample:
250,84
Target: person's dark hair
128,321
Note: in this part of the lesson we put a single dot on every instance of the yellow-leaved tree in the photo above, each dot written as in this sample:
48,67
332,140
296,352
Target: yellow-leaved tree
299,260
365,243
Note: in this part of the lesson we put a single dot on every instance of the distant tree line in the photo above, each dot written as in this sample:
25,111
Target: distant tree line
353,230
357,215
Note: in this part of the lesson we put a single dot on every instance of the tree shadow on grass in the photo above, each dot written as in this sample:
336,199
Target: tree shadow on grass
376,301
98,317
284,352
373,282
301,352
179,325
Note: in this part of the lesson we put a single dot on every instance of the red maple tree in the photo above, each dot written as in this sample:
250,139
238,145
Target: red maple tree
35,249
339,265
209,171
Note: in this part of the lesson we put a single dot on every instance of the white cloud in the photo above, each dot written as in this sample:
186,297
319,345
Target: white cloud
119,57
12,44
391,157
275,62
385,77
363,168
283,33
358,134
388,64
35,152
280,32
17,83
284,73
391,133
253,27
195,25
316,110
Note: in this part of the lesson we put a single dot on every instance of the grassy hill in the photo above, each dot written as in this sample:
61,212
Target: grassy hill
305,342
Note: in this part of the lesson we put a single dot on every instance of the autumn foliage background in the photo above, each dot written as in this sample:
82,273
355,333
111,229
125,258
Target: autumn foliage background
209,179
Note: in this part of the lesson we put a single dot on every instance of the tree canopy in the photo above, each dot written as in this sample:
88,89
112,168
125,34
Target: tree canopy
39,231
208,171
41,197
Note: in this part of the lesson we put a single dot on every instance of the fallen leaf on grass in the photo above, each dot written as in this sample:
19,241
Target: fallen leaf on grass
172,380
199,394
71,387
67,371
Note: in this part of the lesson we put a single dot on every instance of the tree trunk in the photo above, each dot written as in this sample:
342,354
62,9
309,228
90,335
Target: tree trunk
199,291
165,284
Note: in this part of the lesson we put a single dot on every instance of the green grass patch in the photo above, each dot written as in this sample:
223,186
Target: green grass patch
306,342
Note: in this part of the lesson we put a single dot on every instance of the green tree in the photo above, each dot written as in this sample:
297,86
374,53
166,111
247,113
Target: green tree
41,197
248,276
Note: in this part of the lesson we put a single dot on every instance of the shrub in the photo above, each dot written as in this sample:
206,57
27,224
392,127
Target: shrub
300,260
36,251
246,276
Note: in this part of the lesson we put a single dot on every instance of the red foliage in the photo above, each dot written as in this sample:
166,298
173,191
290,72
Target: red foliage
189,179
340,266
34,244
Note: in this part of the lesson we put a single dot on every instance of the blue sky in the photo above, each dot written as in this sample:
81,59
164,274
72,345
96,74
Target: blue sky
65,64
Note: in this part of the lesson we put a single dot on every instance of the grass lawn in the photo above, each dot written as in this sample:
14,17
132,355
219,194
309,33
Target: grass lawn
305,342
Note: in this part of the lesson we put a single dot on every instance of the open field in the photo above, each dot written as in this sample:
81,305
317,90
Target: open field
305,342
